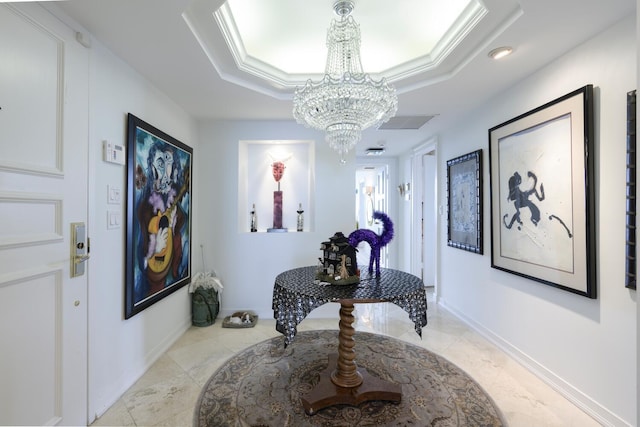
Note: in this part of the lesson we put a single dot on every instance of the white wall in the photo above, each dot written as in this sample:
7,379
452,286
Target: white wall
586,347
121,350
403,225
248,262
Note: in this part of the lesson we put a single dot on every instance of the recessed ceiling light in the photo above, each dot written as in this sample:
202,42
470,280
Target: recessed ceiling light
501,52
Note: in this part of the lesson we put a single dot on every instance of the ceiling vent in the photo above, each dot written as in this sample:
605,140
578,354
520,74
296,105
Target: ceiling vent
374,151
405,122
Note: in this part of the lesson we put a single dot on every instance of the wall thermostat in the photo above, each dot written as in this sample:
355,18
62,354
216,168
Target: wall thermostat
113,153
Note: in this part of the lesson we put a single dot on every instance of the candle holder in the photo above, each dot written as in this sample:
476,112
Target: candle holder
300,222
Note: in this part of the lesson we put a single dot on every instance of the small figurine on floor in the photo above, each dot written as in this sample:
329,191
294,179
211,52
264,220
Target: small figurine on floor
377,242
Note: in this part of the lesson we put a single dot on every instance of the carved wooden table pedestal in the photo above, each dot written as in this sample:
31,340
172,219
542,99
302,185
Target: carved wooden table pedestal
342,382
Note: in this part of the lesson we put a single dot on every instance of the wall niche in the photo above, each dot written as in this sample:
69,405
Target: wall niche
295,160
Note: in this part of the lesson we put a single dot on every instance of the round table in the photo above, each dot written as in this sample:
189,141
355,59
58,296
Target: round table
296,294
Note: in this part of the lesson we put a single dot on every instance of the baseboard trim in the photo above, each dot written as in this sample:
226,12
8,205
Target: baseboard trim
129,378
570,392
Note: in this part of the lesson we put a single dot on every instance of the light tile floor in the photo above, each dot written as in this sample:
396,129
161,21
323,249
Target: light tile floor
166,394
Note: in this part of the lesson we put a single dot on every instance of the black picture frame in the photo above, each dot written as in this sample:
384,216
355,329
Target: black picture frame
158,210
631,264
542,194
464,202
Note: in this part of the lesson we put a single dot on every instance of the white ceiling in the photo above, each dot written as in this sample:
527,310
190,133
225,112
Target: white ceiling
296,50
245,40
199,73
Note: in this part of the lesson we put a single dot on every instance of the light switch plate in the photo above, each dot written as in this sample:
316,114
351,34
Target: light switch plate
114,218
114,195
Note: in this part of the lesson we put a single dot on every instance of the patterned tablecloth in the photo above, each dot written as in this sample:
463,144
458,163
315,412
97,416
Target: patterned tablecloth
295,295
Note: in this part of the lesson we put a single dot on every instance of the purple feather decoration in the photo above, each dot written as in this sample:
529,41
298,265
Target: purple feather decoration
377,242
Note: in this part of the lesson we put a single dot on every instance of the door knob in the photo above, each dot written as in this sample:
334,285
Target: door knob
79,253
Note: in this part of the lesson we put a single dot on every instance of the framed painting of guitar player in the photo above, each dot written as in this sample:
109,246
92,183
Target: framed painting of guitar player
158,254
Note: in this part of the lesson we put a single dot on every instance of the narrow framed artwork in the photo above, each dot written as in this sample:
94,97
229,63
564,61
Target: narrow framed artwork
464,195
542,194
631,265
158,254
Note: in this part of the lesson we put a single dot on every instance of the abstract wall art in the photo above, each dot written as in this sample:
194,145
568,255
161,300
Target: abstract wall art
464,194
542,194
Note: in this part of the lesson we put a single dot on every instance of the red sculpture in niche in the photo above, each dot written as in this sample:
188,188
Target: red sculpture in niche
278,170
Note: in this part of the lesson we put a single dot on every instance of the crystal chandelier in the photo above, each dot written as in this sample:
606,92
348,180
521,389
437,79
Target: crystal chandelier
346,101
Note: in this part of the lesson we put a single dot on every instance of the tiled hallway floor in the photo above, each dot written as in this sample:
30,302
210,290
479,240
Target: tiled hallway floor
167,393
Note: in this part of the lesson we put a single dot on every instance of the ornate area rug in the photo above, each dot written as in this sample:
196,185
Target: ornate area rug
262,386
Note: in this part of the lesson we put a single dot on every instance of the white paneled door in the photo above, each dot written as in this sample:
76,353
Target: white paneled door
43,189
372,182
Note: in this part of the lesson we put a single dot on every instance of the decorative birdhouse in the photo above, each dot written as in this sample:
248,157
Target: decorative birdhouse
338,262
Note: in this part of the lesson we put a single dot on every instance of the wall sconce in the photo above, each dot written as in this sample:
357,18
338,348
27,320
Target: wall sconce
369,190
405,190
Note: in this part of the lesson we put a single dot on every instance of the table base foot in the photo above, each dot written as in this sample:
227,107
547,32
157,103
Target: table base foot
326,393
